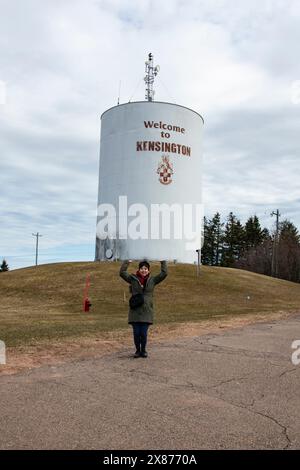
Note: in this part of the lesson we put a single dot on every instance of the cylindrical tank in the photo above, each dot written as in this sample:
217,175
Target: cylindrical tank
149,182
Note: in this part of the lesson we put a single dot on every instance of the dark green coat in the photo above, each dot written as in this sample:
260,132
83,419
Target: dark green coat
144,313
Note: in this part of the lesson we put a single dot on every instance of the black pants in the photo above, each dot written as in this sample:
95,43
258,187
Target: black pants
140,331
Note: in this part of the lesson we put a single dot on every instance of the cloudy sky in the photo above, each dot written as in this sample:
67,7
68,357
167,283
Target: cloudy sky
61,61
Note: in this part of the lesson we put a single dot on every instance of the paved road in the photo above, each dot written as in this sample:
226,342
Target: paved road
238,389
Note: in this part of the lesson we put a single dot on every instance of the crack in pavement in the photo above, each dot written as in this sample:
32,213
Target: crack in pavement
163,378
229,350
256,412
203,390
230,380
287,372
284,428
168,380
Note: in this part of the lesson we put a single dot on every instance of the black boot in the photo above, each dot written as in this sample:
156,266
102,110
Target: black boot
144,353
137,353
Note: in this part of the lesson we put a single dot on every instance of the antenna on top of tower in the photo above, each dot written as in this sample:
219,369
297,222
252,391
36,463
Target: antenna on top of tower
151,73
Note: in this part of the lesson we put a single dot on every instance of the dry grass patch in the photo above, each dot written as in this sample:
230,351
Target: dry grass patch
42,306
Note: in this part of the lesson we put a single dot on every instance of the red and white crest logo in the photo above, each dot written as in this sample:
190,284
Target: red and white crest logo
165,170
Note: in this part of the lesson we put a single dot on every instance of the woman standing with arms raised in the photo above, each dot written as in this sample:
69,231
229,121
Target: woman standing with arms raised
141,310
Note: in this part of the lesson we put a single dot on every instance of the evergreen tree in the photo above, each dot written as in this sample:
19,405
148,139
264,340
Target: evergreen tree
254,235
213,235
218,234
288,252
205,250
4,266
234,241
287,230
258,252
266,236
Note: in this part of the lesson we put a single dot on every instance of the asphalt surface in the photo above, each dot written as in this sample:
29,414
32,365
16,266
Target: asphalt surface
235,390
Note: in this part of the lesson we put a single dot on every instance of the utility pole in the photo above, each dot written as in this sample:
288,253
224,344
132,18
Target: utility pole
37,235
274,267
198,262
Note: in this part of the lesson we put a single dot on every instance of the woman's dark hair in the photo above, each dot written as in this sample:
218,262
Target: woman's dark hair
144,263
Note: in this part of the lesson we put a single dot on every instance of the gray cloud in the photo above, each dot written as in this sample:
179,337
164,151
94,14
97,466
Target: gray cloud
62,62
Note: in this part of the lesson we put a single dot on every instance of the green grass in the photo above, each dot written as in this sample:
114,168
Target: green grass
45,302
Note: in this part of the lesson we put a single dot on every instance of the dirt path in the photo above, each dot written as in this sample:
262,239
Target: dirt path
58,352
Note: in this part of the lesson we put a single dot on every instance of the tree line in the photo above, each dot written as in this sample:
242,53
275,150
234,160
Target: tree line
231,244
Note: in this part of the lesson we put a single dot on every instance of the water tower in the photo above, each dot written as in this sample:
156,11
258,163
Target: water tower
149,180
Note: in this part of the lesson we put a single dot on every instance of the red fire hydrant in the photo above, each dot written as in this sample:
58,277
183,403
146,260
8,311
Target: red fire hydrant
87,305
86,301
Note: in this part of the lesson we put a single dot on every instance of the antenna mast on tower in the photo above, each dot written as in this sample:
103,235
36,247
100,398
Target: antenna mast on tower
151,73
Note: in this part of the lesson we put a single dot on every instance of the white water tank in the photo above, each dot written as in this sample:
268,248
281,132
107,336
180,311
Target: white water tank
150,155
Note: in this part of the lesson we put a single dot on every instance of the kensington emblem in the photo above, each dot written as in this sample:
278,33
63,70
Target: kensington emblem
165,170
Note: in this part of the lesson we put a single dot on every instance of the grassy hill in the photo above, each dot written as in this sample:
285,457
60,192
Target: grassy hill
45,302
